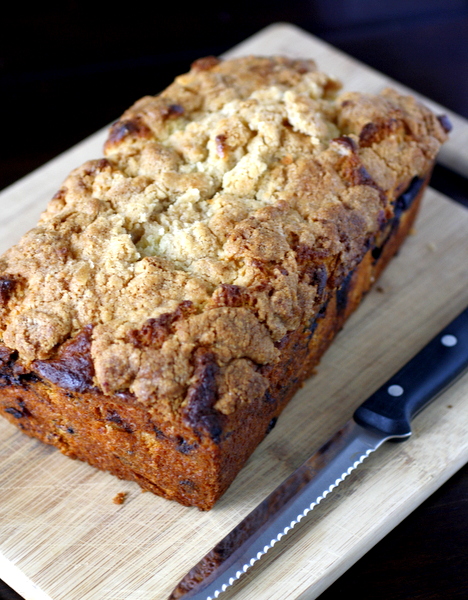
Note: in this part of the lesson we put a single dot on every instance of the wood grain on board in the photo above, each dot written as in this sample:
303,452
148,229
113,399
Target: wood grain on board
63,538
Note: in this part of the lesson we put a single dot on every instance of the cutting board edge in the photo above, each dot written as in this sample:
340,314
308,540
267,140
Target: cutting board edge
19,581
368,543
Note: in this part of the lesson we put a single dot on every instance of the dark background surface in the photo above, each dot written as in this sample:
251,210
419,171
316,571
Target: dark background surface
69,68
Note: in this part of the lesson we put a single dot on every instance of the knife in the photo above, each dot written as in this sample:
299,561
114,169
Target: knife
385,415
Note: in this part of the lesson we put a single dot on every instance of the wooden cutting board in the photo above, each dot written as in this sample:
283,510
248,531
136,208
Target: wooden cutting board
63,538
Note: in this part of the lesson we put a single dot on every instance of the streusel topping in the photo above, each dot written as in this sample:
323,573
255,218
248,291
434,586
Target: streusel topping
205,225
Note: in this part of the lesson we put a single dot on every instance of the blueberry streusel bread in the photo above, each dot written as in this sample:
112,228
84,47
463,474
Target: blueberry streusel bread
176,293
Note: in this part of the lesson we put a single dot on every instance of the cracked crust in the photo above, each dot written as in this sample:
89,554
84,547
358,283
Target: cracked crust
225,211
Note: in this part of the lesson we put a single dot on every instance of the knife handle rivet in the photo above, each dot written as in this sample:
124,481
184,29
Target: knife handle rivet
449,340
395,390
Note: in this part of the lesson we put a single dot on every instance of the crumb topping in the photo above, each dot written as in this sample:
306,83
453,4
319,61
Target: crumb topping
223,210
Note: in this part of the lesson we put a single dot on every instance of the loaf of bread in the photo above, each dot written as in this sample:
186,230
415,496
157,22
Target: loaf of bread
176,293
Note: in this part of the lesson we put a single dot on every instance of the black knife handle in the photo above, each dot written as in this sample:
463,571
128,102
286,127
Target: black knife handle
391,408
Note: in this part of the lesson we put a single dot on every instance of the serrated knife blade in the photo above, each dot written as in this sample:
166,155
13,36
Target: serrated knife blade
385,415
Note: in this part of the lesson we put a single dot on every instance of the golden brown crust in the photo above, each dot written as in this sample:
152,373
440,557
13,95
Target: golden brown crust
228,209
229,177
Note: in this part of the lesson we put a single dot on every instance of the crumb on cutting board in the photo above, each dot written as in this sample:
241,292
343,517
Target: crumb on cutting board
120,498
